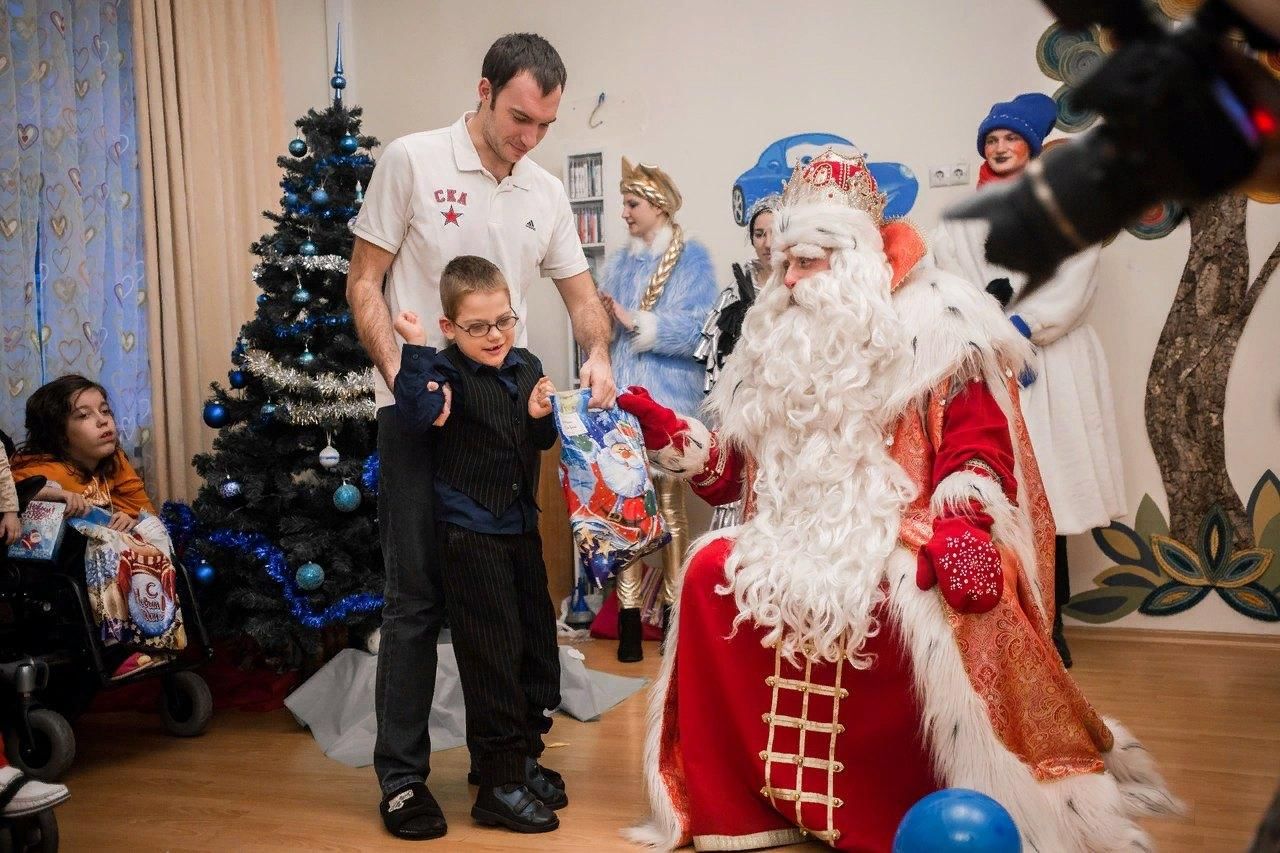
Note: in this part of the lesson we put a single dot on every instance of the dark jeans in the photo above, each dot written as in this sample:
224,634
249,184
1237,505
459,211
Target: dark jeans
504,635
414,609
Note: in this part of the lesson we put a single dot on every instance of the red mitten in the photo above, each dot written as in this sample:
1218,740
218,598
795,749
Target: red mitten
660,425
963,561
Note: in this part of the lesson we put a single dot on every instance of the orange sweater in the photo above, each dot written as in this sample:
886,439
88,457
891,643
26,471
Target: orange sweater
122,493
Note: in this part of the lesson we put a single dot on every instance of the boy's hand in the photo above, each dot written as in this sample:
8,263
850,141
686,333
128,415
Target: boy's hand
122,521
540,399
409,327
10,528
77,506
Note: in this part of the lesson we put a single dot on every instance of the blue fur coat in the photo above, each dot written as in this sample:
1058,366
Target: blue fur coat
667,368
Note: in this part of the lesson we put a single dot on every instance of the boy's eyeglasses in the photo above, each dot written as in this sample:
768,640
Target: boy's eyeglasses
504,324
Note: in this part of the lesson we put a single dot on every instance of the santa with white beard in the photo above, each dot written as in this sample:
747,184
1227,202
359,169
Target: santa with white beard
878,626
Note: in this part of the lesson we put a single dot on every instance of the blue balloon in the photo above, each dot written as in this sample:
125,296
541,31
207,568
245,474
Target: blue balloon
309,576
346,498
205,573
957,820
216,414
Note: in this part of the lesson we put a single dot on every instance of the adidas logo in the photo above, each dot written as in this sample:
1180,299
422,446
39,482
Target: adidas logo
529,225
399,800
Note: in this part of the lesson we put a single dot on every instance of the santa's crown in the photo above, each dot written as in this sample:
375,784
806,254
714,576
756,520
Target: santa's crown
832,178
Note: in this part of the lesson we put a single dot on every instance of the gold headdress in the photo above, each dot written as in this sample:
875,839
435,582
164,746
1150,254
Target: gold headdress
832,178
651,184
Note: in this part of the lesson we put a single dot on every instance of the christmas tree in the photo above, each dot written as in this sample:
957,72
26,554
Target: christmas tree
283,535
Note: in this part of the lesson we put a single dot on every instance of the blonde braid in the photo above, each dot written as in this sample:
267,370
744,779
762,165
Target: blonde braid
665,266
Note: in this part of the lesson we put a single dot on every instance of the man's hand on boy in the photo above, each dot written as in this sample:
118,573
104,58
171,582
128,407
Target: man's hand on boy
122,521
540,399
10,528
409,327
433,387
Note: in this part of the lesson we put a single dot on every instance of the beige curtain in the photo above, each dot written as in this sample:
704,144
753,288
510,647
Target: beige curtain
209,119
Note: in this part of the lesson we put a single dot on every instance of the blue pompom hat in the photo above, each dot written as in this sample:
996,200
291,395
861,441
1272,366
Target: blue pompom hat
1031,116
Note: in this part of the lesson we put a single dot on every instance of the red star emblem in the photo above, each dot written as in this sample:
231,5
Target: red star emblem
451,216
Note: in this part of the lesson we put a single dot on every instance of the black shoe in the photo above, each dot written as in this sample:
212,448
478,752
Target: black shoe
539,780
629,635
515,807
473,776
412,813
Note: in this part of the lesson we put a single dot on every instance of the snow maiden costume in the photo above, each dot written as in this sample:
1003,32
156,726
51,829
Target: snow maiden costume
668,286
878,626
1066,398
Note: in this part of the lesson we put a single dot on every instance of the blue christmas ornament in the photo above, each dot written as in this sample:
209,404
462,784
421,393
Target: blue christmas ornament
205,573
319,196
302,296
957,820
298,147
216,414
309,576
238,378
268,410
290,199
307,358
348,144
229,489
346,498
263,298
307,248
337,81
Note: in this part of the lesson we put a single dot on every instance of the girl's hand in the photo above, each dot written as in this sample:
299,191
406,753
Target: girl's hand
540,399
623,317
122,521
77,506
10,528
410,328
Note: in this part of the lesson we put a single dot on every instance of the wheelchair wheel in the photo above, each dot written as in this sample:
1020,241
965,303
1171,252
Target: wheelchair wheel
185,704
36,833
51,750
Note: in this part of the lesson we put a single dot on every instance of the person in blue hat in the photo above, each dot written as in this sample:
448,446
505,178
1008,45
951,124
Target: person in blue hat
1066,395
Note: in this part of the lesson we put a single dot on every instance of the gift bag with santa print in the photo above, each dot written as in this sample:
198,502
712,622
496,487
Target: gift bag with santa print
613,508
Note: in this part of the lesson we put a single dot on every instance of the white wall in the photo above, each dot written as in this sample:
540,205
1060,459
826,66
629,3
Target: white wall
701,88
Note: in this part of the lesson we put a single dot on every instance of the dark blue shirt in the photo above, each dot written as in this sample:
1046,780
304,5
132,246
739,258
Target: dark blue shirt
419,407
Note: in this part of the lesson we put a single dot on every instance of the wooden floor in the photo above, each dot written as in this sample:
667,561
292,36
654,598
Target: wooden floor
1209,711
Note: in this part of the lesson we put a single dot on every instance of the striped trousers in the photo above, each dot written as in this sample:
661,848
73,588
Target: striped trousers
504,636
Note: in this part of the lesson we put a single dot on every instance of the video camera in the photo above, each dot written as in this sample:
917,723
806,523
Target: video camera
1187,115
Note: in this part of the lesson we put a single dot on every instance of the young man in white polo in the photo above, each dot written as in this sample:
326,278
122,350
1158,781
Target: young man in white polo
466,189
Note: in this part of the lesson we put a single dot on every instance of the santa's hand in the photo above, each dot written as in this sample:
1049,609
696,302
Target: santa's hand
660,425
963,561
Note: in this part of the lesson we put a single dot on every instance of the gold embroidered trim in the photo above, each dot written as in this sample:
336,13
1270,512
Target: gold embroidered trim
802,724
718,471
754,841
804,686
978,466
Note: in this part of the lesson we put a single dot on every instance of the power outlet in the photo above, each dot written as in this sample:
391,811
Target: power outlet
952,175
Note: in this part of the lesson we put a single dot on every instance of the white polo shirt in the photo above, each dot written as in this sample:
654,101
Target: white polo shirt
430,200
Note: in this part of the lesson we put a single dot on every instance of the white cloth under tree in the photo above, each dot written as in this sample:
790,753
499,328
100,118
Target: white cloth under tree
1068,408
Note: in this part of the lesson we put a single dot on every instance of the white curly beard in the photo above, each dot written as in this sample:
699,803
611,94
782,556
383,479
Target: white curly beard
804,394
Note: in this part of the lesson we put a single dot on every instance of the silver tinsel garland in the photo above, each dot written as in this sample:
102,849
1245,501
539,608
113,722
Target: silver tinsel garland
317,414
328,263
332,386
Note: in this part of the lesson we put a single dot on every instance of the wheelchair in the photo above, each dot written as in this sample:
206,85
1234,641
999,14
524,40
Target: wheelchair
52,660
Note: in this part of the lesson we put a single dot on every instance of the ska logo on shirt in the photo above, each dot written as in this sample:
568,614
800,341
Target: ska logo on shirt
451,198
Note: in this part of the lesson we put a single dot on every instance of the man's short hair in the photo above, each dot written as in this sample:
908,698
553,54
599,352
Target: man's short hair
467,274
516,52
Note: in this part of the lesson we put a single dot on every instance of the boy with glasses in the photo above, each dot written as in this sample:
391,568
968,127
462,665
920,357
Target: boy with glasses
491,406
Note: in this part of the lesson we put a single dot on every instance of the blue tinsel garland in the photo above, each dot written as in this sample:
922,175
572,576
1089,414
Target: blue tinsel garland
369,474
182,525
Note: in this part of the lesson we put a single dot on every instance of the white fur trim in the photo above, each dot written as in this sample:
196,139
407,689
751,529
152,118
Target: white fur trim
1010,527
646,330
1140,781
831,226
1085,813
954,330
661,240
693,459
